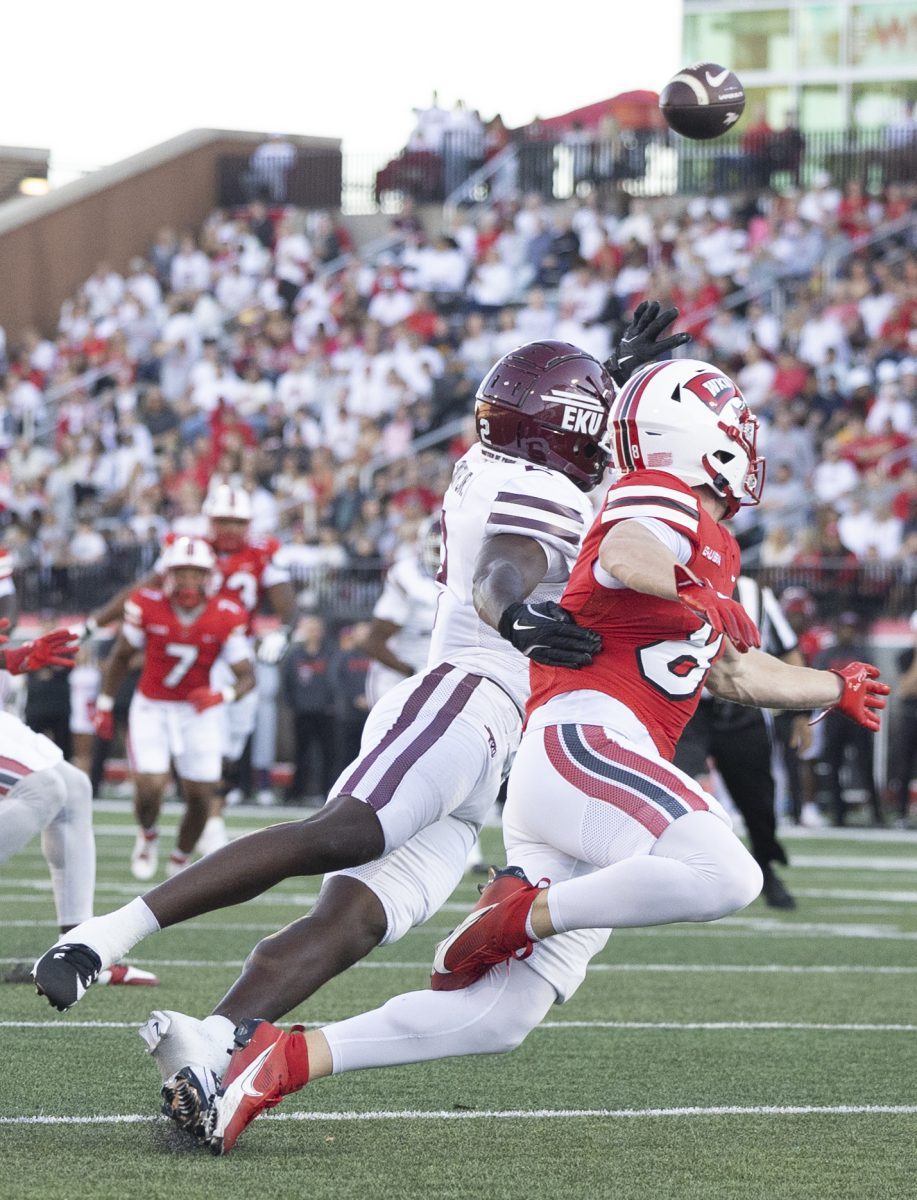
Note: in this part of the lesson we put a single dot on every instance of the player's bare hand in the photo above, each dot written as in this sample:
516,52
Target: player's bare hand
547,634
722,614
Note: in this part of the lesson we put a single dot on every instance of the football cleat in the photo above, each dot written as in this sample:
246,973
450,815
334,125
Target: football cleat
213,837
266,1065
145,855
187,1097
65,973
121,975
493,932
177,863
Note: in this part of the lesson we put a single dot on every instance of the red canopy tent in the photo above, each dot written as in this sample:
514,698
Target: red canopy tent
631,110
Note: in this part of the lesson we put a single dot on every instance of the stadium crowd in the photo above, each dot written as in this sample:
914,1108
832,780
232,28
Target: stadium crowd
264,351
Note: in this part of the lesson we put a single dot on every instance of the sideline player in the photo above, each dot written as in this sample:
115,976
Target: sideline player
184,629
41,793
250,571
595,811
399,637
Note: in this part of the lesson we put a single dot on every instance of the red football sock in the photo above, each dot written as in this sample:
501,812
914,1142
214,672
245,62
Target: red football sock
297,1056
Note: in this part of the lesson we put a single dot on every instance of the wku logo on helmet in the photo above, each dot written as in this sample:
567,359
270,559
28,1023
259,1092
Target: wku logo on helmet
714,389
582,414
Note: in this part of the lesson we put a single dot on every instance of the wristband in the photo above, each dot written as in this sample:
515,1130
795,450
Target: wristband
104,703
228,694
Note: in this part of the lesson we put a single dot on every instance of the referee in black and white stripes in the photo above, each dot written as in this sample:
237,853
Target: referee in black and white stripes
739,740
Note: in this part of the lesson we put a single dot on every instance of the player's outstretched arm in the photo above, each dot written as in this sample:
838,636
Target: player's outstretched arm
113,609
763,681
507,571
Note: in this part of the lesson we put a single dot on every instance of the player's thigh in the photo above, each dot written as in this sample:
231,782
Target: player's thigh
148,740
437,744
596,798
198,748
415,880
237,721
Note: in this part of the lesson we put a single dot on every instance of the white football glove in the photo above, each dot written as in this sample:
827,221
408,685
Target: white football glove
273,646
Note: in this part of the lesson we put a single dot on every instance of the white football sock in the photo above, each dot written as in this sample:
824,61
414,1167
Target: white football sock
698,870
490,1017
115,933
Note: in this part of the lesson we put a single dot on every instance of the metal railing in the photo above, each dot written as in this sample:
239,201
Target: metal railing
348,593
640,163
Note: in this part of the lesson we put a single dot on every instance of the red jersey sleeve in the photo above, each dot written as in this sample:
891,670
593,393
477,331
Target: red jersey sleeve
653,494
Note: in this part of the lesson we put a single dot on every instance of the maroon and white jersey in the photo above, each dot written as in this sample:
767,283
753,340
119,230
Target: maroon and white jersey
492,494
655,653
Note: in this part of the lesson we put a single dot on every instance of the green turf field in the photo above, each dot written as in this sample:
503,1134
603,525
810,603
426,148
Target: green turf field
766,1056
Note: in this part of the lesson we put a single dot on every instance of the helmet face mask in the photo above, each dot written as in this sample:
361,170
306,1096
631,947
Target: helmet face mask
687,418
190,575
547,403
429,546
230,512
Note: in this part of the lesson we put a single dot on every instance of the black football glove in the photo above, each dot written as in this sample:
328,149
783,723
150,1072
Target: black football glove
547,634
639,342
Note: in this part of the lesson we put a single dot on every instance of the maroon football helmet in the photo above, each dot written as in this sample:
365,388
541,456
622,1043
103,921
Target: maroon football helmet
547,403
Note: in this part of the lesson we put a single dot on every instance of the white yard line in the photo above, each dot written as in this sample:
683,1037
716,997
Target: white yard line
522,1114
600,968
671,1026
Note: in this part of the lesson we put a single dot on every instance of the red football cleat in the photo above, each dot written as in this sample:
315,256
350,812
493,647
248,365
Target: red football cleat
267,1064
493,932
121,975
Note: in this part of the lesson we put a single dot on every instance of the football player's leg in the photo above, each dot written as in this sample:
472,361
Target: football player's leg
29,807
663,849
70,850
357,910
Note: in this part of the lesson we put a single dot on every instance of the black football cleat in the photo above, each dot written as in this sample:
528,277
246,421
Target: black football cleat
187,1097
775,892
65,973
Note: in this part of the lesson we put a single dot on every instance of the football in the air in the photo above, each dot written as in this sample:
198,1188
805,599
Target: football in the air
702,101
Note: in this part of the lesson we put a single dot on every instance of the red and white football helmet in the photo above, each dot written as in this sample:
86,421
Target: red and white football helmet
225,503
547,403
189,552
688,418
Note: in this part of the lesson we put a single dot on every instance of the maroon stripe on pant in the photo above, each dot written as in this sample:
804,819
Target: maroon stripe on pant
408,714
385,788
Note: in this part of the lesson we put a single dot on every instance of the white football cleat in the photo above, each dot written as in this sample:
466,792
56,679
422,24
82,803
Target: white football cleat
175,1040
177,863
145,855
213,837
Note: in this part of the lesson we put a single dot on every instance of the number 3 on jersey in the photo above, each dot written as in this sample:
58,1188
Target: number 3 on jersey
678,669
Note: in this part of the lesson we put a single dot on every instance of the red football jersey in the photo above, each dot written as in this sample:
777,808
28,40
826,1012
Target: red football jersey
245,574
655,653
179,654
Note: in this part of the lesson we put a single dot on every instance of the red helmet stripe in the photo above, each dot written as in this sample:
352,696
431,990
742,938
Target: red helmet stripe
626,420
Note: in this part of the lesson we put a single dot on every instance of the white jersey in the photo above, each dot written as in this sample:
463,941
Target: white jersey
492,494
408,600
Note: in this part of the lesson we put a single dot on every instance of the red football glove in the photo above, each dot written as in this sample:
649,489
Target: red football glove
103,722
55,649
204,697
861,699
724,615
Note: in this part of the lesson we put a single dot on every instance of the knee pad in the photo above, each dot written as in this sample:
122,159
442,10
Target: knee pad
78,789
